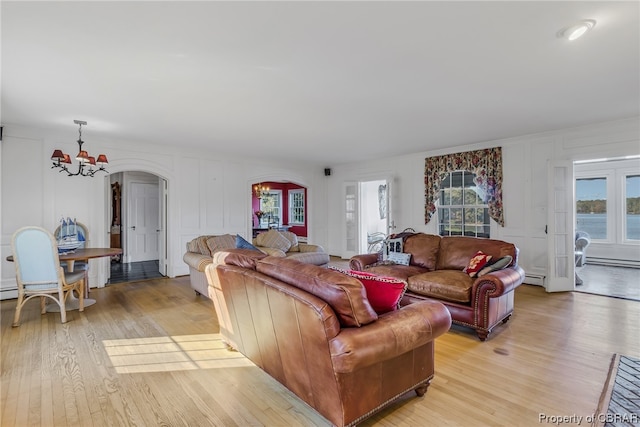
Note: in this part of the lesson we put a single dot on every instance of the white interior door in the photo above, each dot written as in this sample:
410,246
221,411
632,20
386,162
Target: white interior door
561,228
144,222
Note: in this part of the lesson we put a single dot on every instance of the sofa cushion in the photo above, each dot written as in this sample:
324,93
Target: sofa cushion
423,249
384,293
448,285
402,272
346,295
218,243
273,239
246,258
455,252
476,263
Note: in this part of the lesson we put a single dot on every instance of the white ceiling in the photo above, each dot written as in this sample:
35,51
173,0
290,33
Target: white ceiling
329,82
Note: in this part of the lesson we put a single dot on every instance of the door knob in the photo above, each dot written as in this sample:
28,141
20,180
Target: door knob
133,227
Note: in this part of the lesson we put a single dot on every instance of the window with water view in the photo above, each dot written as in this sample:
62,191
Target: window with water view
594,212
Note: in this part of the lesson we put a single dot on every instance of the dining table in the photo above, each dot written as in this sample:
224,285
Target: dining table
70,257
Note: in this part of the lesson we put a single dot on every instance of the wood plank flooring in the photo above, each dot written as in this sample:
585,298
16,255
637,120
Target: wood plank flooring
147,353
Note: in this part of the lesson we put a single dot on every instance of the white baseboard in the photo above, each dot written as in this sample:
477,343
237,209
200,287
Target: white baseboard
534,279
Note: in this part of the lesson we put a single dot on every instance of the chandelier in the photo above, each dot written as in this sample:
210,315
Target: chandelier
86,163
260,191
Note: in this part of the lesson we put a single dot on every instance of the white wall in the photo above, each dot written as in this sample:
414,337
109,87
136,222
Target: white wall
525,187
209,193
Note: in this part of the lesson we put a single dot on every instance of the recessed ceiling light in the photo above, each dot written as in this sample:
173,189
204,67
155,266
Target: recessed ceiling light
577,30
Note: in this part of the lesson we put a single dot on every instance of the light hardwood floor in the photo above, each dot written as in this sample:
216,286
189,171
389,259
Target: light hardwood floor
147,354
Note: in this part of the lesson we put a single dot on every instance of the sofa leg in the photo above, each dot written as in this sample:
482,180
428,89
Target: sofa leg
482,334
197,293
506,319
420,391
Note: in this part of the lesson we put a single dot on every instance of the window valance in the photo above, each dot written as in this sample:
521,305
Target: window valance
485,164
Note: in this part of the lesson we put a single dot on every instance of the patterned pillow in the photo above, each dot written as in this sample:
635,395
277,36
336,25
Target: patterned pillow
499,264
273,239
399,258
479,260
384,293
218,243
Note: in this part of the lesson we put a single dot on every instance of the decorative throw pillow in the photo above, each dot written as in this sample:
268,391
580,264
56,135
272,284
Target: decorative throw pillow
392,245
399,258
218,243
241,243
499,264
384,293
273,239
476,263
293,238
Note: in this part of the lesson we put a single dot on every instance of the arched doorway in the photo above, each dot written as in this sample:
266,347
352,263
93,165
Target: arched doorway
138,224
281,205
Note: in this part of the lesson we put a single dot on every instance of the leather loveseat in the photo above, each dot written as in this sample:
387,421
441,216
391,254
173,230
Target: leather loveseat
436,271
313,330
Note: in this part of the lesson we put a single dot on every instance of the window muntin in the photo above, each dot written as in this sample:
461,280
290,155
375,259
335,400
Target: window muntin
296,207
632,207
591,207
462,210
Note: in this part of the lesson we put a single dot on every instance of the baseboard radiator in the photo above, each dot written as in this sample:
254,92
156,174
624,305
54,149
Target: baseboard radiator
613,262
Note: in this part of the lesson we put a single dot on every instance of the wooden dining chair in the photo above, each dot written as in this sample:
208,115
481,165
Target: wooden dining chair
39,274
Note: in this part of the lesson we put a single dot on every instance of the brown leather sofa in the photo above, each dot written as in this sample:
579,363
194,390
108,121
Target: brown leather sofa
435,272
314,331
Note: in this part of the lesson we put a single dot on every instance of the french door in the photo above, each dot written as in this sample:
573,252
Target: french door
560,228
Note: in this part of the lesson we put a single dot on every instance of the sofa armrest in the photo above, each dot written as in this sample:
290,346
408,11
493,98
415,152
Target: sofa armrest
497,283
359,262
393,334
305,247
197,260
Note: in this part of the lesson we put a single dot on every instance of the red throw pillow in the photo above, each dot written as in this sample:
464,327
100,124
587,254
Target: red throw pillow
384,293
479,260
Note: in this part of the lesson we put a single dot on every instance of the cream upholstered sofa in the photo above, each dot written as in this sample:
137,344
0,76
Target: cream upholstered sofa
200,252
283,244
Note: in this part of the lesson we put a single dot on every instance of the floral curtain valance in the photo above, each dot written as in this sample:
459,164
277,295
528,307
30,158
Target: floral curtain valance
485,164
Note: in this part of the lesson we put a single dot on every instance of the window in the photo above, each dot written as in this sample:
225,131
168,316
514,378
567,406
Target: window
462,209
632,203
271,205
296,207
591,206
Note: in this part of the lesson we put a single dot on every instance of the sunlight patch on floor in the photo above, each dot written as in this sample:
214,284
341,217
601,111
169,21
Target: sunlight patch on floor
175,353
